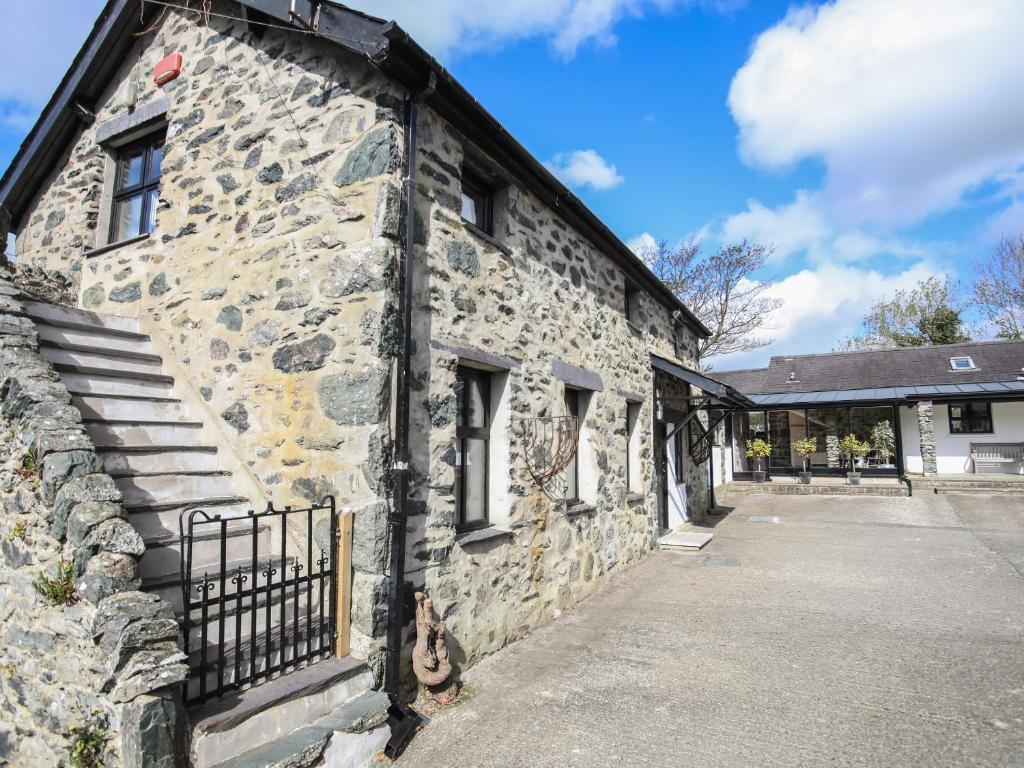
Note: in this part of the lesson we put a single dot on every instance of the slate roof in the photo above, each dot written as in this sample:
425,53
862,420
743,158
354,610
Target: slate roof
885,374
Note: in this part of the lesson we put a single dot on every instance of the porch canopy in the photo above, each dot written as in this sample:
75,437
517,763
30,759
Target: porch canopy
716,397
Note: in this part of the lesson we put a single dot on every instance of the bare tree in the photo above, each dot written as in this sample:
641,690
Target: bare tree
999,290
720,289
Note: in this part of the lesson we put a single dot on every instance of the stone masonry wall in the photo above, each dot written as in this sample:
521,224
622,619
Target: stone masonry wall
107,663
538,293
267,282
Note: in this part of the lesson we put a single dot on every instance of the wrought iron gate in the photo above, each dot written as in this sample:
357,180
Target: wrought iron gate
266,598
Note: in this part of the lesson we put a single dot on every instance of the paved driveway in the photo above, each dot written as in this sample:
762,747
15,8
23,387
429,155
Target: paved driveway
854,631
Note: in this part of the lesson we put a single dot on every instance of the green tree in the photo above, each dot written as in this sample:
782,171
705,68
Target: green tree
931,313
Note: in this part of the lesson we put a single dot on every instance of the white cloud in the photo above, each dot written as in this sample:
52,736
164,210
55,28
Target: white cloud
822,306
908,104
465,25
584,168
793,227
642,243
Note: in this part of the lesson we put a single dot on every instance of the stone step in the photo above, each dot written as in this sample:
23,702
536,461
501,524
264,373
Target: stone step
151,433
71,338
295,641
241,722
102,383
160,488
163,552
113,408
79,360
82,319
152,520
119,461
351,736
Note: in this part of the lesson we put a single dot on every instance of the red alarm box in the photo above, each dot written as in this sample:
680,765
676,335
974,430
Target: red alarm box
167,69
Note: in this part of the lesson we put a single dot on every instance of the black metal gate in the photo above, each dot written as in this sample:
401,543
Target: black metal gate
258,594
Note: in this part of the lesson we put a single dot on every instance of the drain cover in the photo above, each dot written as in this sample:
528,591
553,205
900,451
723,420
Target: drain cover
763,519
720,560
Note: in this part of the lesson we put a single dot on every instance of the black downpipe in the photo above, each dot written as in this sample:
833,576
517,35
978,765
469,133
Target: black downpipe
402,718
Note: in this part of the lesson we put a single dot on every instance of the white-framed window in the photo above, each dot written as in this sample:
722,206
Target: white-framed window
962,364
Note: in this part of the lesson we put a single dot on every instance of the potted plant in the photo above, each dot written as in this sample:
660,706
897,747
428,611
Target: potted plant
854,448
804,448
758,449
884,441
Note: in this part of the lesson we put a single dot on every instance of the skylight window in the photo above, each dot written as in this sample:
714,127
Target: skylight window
961,364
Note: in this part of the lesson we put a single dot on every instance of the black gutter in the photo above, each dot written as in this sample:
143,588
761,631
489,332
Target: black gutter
402,719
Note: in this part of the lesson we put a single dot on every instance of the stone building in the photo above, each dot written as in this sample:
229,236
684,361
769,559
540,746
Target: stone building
299,262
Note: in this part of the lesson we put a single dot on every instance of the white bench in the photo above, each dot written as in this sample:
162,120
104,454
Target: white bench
997,456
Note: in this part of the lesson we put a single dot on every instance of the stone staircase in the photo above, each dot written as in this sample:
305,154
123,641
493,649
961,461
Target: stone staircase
164,462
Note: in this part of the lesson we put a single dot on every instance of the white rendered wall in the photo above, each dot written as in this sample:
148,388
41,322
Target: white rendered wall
723,474
953,452
677,514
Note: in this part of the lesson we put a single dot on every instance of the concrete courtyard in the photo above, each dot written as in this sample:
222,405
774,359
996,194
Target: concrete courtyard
854,631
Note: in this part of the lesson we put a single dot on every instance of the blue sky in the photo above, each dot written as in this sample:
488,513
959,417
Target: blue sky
873,143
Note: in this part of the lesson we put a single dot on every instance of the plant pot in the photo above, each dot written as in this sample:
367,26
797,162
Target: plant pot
853,478
805,477
758,475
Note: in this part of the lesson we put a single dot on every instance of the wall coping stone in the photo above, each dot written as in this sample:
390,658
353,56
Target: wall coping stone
577,377
478,356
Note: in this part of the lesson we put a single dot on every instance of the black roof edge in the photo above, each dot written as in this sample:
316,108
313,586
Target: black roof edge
394,51
723,392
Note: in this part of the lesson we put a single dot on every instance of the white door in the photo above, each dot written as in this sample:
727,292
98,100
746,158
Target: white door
677,514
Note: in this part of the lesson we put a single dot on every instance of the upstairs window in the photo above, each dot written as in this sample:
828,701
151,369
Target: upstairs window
632,303
472,447
961,364
136,188
477,202
970,418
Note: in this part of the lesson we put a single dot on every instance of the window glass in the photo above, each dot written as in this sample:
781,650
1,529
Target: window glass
572,471
127,216
827,426
131,169
477,201
154,163
970,418
680,450
468,208
472,438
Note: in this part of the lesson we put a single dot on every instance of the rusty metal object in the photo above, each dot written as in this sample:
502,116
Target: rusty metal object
430,654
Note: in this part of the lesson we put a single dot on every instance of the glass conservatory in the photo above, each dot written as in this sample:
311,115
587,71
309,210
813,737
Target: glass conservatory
783,428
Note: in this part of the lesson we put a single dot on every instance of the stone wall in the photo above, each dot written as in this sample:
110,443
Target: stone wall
926,430
538,293
267,283
107,662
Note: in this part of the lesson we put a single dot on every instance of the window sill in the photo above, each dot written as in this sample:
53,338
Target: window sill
489,239
114,246
490,533
632,497
580,508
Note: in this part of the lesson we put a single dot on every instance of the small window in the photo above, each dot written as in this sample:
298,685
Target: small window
572,471
136,189
633,447
961,364
477,202
632,304
970,418
472,447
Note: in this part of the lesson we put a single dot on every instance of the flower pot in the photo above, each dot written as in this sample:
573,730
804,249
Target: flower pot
805,477
853,478
758,475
